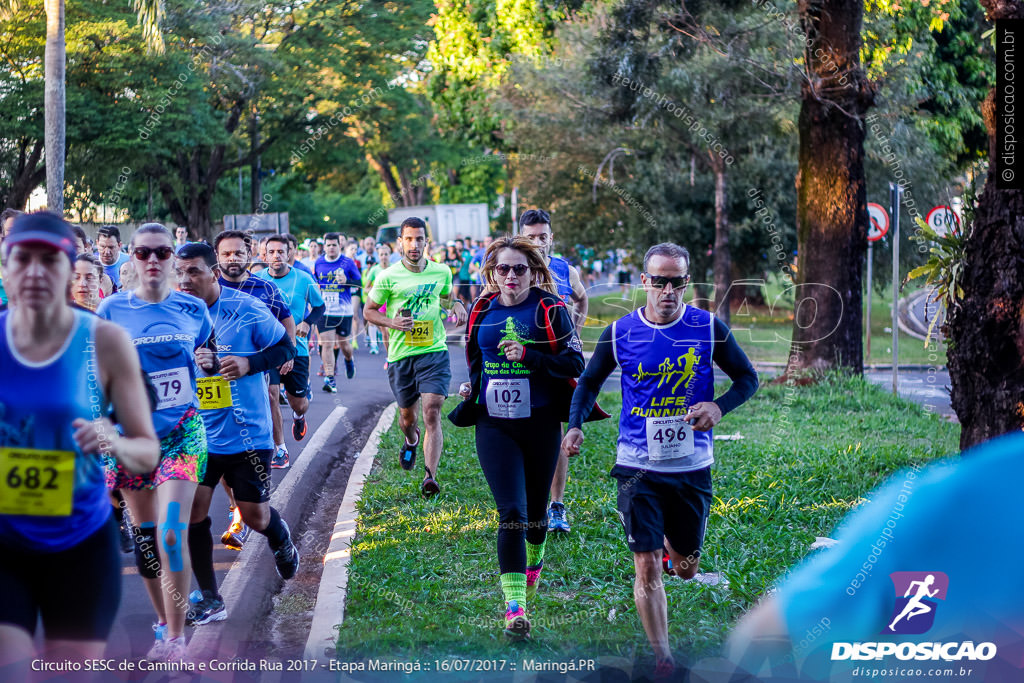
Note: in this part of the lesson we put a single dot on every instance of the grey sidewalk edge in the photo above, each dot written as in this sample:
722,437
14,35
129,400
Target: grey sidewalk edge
251,583
329,611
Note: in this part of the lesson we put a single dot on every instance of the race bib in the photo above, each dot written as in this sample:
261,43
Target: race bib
332,300
214,392
36,482
173,388
422,333
669,438
508,398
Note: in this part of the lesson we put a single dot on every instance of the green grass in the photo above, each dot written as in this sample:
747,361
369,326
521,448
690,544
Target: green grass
765,334
424,580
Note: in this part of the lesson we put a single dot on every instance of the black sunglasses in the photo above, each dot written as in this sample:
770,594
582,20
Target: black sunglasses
659,281
519,269
162,253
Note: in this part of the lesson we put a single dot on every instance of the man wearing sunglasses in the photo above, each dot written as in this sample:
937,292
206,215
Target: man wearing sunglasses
664,455
535,225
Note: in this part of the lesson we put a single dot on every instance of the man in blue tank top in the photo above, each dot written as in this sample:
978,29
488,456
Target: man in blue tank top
535,224
665,448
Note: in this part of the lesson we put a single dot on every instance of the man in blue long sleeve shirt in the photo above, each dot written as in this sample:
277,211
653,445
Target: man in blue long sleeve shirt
665,449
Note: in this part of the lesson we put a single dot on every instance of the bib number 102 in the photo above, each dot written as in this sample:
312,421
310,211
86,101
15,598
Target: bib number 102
507,396
32,478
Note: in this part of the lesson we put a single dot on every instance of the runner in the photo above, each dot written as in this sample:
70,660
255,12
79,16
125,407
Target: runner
234,406
293,255
59,559
418,363
180,237
166,327
535,225
664,455
340,283
85,281
234,257
521,351
301,293
108,248
373,331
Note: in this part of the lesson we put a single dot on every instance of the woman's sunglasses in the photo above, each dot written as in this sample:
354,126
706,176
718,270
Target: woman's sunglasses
162,253
519,269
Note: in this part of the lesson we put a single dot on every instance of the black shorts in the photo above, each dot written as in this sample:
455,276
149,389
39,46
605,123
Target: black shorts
247,473
295,382
342,324
654,506
76,591
624,278
464,291
424,373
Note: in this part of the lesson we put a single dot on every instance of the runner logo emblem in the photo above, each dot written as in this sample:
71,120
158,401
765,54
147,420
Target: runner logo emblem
917,596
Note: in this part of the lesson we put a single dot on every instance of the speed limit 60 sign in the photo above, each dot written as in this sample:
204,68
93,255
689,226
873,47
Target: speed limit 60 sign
942,219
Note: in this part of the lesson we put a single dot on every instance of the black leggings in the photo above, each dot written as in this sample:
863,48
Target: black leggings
518,458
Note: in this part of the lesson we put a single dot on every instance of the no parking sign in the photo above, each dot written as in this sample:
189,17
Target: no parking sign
878,222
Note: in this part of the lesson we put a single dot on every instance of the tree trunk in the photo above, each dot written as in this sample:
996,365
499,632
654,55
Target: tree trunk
722,260
26,177
832,214
54,59
986,329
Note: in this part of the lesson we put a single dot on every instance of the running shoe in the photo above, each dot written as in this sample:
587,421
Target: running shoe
299,427
374,350
556,518
517,626
709,579
287,557
174,649
664,670
156,653
350,368
330,386
429,487
281,398
532,579
209,609
127,542
407,454
280,461
234,537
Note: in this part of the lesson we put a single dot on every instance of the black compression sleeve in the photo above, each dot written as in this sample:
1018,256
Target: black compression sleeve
272,356
730,358
315,315
601,365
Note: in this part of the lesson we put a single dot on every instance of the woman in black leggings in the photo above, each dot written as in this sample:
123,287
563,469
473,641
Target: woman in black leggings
522,351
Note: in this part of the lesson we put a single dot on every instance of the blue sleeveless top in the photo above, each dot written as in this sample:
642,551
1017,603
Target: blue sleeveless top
665,370
559,268
38,403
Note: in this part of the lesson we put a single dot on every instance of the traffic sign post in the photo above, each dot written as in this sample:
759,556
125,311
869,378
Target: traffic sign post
878,226
895,192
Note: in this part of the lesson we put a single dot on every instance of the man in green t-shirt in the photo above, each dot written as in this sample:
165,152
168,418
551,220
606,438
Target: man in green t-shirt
414,291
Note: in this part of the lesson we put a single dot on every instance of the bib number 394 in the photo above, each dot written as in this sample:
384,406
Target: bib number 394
669,438
36,482
173,388
508,398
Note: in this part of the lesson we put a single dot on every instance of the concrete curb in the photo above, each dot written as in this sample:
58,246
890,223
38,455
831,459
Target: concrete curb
329,611
249,585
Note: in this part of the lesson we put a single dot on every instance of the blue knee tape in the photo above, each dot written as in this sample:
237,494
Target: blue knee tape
173,550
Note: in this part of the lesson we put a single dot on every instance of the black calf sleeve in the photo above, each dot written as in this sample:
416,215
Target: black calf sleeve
147,556
200,547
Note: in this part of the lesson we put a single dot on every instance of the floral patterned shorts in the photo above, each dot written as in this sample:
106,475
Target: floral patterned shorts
182,458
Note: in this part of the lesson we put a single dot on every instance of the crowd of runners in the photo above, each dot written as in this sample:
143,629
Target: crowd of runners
139,377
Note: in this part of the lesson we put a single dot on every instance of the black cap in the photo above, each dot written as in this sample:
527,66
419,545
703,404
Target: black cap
42,227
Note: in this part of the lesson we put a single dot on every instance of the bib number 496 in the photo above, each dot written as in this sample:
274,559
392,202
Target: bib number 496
669,438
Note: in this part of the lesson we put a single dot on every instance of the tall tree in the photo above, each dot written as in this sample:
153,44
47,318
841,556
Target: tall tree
986,328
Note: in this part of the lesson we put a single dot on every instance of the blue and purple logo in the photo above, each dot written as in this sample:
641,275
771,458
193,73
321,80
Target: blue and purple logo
917,596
